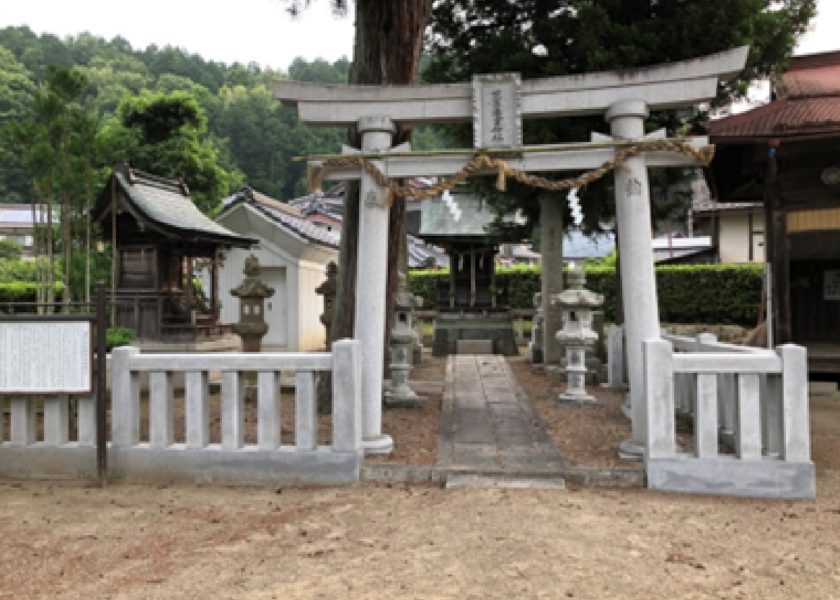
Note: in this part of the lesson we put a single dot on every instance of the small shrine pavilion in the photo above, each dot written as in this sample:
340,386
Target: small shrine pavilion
159,236
471,304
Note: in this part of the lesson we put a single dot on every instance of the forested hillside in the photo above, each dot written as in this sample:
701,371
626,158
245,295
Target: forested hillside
238,133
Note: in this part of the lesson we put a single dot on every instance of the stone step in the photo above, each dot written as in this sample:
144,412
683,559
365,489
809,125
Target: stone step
507,481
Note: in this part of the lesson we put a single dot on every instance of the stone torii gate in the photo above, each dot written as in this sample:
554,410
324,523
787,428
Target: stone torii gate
497,104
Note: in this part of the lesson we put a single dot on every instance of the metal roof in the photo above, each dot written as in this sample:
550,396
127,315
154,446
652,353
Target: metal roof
807,104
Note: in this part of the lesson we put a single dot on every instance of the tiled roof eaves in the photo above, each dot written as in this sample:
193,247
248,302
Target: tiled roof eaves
169,223
286,222
788,117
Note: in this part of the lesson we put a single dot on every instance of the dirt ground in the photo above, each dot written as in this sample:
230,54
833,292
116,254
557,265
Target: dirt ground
70,540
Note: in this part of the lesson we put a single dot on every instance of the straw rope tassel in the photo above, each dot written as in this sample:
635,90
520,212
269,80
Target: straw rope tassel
501,176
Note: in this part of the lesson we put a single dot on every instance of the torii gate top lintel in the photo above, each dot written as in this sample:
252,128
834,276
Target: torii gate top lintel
662,86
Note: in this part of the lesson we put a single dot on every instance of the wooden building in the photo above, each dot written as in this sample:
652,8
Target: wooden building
786,155
471,304
159,237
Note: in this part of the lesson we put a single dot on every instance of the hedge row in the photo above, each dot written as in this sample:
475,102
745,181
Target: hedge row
23,291
719,294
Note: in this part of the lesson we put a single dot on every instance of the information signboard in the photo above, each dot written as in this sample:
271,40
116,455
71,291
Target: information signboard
45,357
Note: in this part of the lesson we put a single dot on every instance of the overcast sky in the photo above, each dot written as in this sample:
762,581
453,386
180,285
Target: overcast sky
250,30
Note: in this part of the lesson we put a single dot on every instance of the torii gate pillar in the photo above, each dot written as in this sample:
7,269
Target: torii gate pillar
371,285
638,279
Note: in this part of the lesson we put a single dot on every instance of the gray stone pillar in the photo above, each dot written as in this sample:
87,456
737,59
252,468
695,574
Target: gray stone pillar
551,274
371,285
638,281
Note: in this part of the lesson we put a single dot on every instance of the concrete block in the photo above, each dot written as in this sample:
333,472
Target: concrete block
730,476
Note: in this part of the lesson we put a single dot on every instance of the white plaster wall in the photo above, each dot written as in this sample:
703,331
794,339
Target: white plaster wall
734,240
278,308
311,333
276,272
291,265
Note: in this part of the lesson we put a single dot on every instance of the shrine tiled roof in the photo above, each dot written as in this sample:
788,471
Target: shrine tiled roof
165,205
287,216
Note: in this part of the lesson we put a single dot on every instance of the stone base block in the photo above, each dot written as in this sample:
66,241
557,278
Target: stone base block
449,329
474,347
412,400
631,450
248,465
381,444
730,476
535,354
578,400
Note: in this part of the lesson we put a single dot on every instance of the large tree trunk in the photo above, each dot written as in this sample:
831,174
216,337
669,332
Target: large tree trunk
389,37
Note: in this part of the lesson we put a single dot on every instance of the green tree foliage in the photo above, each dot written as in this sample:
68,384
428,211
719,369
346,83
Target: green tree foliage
244,129
543,38
17,91
165,134
56,144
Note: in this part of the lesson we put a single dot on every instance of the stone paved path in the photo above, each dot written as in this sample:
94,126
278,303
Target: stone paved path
488,426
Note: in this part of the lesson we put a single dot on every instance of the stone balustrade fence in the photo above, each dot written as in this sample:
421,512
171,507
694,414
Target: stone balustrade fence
157,458
753,400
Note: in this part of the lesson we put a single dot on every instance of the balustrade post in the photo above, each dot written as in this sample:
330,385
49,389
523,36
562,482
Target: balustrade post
748,445
658,366
268,411
23,421
197,409
233,410
796,442
87,420
347,396
56,420
125,397
161,417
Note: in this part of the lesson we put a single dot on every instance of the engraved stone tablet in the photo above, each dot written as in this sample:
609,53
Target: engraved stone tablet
497,115
45,357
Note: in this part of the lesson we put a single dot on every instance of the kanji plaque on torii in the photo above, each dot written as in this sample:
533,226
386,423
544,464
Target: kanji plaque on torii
497,104
497,117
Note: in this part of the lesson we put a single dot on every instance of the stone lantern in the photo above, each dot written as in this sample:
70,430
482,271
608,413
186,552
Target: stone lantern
252,293
577,305
402,342
327,289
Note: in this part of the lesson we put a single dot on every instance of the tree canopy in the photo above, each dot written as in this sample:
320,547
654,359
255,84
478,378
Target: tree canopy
247,132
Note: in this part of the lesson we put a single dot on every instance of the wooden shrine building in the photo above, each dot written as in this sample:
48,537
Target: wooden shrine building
159,236
786,155
471,304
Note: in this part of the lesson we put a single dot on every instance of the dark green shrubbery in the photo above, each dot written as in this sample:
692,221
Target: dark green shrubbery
687,293
24,291
118,336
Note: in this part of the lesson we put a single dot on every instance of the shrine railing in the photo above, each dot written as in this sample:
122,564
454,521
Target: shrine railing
232,460
254,442
750,401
